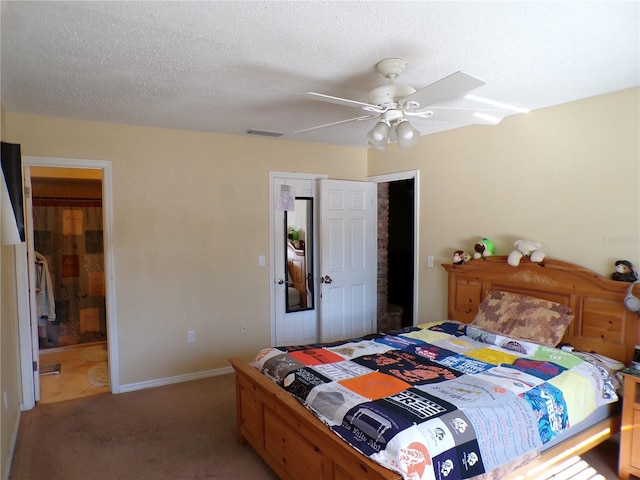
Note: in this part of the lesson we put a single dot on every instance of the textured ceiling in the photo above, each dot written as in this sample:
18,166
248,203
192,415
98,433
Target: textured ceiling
223,66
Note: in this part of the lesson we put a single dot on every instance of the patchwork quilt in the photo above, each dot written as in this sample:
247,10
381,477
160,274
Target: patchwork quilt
440,401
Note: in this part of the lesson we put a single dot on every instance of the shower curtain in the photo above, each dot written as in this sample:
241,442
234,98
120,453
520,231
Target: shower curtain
68,233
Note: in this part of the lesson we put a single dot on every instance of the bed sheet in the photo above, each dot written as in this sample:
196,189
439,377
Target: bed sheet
441,401
294,297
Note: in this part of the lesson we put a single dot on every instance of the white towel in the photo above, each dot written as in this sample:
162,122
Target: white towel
45,300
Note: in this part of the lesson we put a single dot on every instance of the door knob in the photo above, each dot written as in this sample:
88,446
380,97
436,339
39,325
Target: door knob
280,281
326,279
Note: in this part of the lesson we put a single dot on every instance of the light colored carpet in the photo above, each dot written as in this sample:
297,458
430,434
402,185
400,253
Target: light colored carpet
184,431
99,375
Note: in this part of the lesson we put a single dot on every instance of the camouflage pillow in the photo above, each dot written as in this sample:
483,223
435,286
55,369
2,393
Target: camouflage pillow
525,317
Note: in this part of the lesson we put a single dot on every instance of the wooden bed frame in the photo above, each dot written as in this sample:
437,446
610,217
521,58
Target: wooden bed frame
297,445
297,269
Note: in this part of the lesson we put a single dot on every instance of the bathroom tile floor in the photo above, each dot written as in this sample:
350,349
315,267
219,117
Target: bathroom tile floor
73,379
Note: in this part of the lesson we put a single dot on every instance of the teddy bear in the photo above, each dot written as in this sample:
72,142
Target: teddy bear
460,257
624,272
525,248
484,248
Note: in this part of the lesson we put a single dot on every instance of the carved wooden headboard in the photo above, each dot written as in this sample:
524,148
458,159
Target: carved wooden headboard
601,322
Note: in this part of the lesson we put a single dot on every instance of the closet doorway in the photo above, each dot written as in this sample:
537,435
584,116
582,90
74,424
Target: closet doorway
71,329
401,249
398,205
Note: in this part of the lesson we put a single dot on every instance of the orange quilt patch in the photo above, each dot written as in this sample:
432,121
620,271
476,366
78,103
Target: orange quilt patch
375,385
315,356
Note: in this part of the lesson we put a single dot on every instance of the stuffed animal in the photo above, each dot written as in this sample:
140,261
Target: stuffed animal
484,248
460,257
525,248
624,272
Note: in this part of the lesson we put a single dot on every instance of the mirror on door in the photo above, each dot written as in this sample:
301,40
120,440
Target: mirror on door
299,255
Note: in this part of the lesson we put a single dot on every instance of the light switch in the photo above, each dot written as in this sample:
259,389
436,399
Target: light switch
262,261
429,261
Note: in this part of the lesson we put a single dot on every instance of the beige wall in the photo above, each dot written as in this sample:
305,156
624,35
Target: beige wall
191,218
2,113
10,386
567,177
191,214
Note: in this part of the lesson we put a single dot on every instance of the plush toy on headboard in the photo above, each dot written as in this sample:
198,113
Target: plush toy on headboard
525,248
484,248
460,257
624,272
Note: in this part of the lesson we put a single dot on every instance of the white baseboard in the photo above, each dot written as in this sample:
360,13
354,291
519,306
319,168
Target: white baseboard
131,387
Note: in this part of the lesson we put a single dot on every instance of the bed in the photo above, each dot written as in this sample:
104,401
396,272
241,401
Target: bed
297,274
297,444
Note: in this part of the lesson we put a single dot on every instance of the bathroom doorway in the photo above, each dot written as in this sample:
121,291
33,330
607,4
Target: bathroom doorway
66,219
69,248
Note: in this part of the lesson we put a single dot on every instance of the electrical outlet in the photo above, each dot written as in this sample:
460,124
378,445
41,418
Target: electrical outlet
429,261
191,336
243,328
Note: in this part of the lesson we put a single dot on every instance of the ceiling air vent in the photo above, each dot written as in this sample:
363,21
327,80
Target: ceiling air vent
264,133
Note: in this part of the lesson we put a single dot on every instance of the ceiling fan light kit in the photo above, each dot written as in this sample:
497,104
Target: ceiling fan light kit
379,134
391,105
407,134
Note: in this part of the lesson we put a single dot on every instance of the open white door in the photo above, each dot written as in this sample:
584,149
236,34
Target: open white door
31,271
348,259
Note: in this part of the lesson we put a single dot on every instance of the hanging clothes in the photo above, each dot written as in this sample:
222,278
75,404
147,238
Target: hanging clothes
45,301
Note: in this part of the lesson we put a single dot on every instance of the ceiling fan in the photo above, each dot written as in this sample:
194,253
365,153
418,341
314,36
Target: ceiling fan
394,104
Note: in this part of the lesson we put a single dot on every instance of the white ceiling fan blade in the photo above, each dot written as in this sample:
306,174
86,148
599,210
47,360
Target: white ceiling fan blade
366,117
445,89
337,100
462,115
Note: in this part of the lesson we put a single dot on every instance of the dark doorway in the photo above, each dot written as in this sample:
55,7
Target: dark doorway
401,247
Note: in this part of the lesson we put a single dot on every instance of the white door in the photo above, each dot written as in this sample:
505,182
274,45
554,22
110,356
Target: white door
31,262
348,259
293,327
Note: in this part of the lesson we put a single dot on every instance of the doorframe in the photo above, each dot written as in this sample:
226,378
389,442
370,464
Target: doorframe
24,320
272,242
415,176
